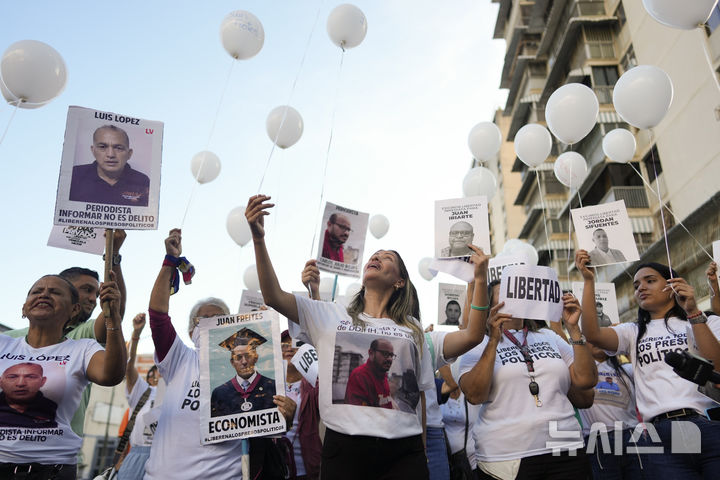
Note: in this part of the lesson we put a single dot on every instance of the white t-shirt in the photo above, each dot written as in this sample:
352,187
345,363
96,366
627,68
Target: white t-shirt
614,400
510,425
176,448
292,391
453,412
433,414
42,433
658,388
142,432
343,362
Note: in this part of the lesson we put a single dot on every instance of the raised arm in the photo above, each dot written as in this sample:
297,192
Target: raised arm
476,383
458,342
708,345
107,368
163,332
273,295
118,240
583,371
601,337
715,289
131,374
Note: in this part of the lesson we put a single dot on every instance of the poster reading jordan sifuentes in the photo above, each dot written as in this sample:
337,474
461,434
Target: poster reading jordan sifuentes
606,233
110,171
240,371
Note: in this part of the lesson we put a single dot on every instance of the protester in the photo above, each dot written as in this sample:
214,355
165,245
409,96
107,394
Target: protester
304,435
459,417
86,282
712,276
668,321
360,441
523,384
48,364
141,396
176,449
612,414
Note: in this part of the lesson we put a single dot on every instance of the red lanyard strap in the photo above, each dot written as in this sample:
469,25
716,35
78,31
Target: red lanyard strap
524,350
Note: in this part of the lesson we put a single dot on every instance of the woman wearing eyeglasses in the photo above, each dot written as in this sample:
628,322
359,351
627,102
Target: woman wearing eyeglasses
374,415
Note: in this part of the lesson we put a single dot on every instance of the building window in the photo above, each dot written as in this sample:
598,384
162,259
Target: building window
599,42
620,14
643,241
629,61
652,163
604,79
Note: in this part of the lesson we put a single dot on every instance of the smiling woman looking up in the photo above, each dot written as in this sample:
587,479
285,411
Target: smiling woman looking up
373,363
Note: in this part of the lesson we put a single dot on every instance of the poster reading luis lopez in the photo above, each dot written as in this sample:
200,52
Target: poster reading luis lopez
240,371
342,240
110,171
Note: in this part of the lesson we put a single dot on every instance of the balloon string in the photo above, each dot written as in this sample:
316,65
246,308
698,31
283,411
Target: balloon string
542,203
662,207
647,184
327,153
707,57
207,145
12,116
292,92
569,244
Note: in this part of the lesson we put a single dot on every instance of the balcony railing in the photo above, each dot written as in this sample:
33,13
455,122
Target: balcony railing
635,197
604,93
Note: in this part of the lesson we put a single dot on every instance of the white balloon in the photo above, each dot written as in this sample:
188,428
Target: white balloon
619,145
571,169
250,278
326,284
205,166
423,268
237,226
32,72
347,26
352,289
571,112
533,144
291,122
484,141
479,181
242,34
510,245
687,15
379,225
642,95
527,251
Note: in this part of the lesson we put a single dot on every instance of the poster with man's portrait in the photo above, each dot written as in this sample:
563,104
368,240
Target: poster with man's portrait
250,301
460,222
342,240
375,371
30,394
606,305
110,171
240,371
451,303
80,239
606,233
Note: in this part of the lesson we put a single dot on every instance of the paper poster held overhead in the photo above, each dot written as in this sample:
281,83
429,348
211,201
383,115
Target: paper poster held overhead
606,233
461,222
531,292
342,240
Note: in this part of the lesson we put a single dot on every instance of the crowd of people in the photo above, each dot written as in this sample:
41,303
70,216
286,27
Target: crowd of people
498,397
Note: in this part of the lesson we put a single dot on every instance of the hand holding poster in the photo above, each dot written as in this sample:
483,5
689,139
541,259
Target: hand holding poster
241,364
531,292
460,222
110,171
451,302
605,302
81,239
342,240
599,227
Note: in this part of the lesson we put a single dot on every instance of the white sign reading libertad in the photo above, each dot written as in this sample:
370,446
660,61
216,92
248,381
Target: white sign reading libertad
110,171
606,233
531,292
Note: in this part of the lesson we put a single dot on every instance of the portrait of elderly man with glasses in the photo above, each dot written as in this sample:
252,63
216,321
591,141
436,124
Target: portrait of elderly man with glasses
368,384
461,235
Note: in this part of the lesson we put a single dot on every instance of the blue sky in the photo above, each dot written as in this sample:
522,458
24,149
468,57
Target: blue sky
407,97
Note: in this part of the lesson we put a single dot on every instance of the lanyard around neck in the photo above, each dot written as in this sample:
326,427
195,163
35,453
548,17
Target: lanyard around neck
524,350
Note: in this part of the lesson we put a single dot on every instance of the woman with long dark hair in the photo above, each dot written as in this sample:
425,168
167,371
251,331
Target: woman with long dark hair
373,364
668,321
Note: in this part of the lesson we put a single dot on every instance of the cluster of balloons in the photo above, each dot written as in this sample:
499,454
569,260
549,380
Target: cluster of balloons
32,74
484,141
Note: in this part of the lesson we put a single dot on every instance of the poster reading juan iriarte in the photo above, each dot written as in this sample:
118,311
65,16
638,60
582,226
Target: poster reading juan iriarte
460,222
606,233
110,171
240,371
